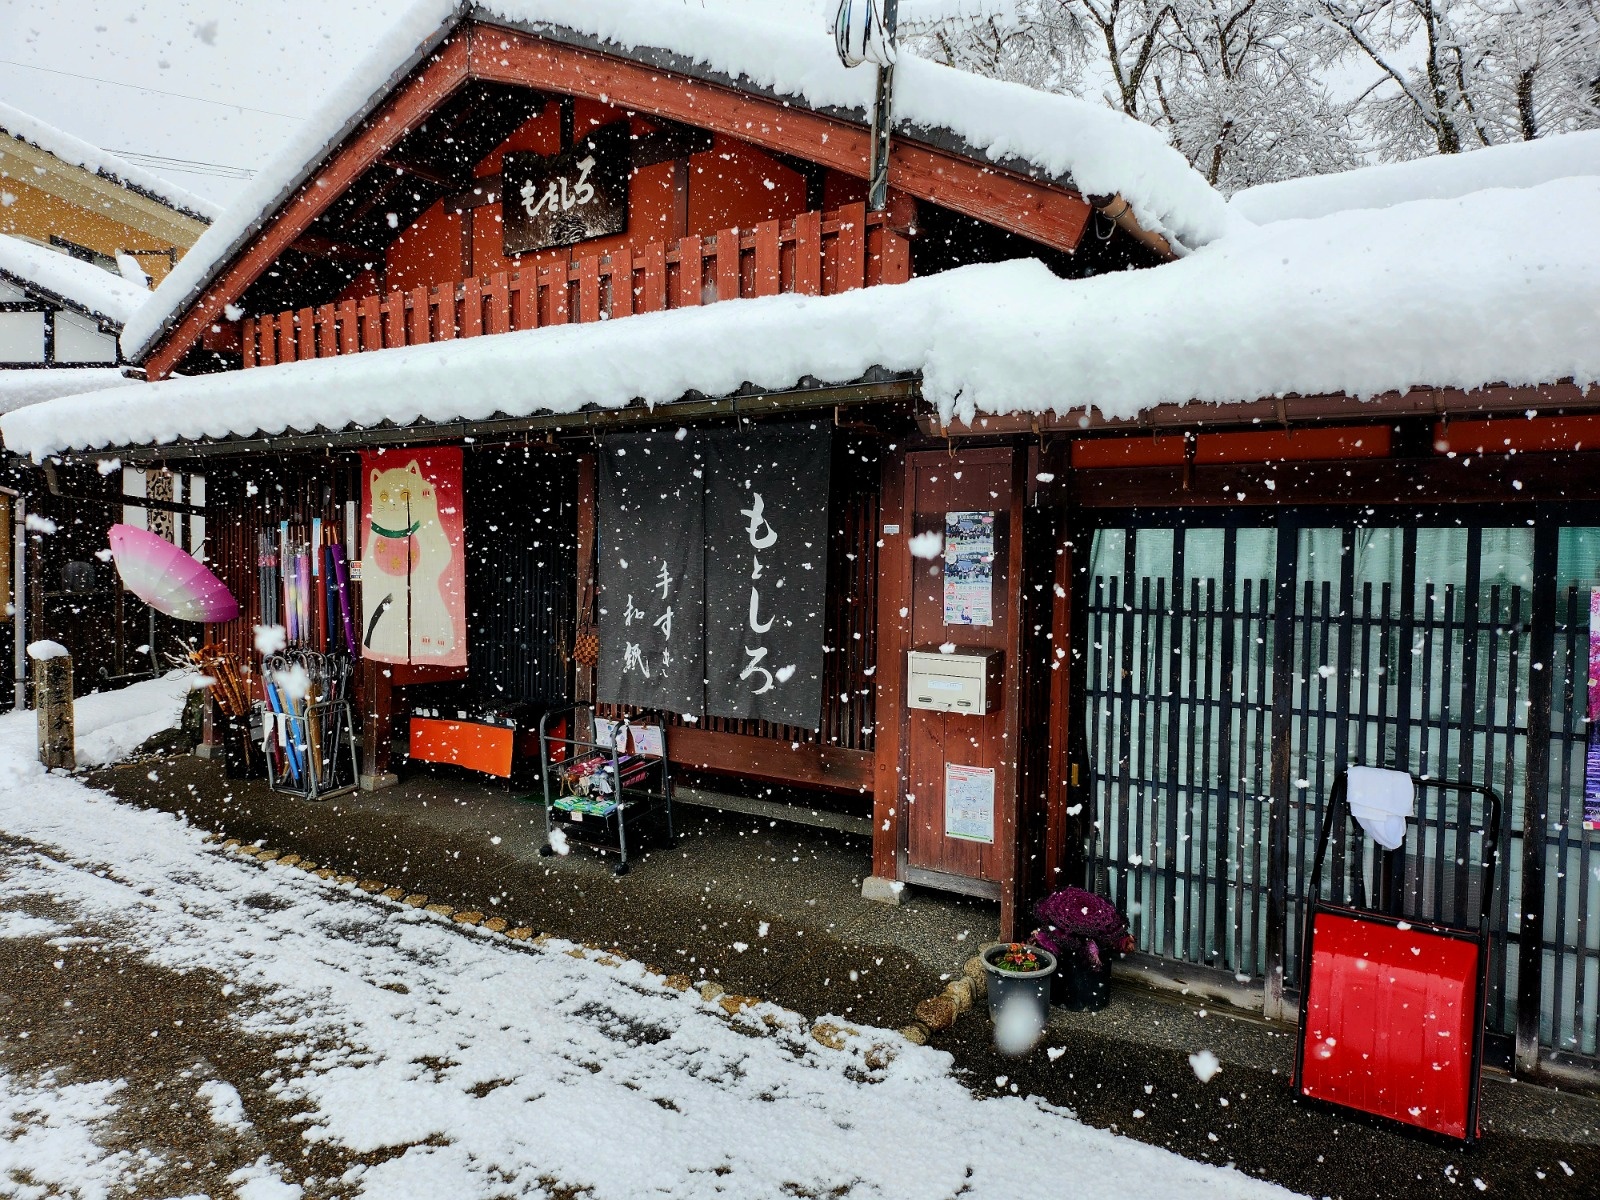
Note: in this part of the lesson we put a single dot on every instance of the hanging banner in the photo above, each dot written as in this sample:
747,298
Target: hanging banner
413,591
651,572
767,572
1591,774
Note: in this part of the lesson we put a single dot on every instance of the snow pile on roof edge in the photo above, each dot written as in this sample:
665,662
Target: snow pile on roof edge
20,388
1104,152
79,153
1437,177
1442,293
92,288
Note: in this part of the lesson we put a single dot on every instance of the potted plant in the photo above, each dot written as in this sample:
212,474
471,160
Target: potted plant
1085,932
1019,993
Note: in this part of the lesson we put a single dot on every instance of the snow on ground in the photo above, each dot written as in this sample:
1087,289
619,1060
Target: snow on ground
93,288
495,1067
79,153
1434,293
780,46
1437,177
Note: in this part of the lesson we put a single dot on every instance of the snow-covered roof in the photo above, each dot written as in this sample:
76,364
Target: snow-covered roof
81,285
75,151
32,385
1437,177
781,48
1458,293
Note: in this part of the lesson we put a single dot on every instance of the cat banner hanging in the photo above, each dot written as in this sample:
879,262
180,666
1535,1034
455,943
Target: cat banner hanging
413,589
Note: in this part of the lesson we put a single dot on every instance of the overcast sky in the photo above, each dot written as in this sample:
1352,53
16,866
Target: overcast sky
256,69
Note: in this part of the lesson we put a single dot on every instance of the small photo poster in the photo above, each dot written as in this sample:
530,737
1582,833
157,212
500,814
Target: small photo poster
969,568
969,803
1591,773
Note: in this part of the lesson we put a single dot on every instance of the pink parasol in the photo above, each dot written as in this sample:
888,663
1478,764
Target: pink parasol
167,579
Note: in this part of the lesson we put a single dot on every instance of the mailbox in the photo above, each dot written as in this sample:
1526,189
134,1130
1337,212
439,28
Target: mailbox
965,681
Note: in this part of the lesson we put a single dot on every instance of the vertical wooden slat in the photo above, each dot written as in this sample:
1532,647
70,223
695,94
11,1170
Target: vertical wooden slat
471,308
552,306
370,323
444,310
589,288
728,265
325,345
394,319
653,286
691,273
499,297
808,254
766,275
621,284
417,325
850,247
304,341
895,266
347,341
247,341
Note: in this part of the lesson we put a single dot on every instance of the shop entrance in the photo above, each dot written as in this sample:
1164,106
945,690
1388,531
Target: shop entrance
1235,665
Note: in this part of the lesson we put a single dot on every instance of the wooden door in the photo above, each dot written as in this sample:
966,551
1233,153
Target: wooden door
938,484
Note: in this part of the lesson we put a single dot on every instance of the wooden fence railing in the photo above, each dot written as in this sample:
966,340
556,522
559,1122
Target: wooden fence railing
816,254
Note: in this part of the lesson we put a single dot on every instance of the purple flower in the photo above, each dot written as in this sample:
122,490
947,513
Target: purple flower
1077,923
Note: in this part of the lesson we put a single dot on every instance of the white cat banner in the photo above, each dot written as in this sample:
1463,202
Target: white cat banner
413,585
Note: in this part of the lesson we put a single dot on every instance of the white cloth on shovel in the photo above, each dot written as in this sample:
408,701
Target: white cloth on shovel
1381,800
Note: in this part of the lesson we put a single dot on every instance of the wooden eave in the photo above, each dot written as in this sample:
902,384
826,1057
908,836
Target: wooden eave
105,196
1046,212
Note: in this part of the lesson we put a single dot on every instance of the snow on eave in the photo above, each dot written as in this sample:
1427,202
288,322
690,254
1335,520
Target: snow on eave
75,152
20,387
1455,294
1435,177
58,277
1034,133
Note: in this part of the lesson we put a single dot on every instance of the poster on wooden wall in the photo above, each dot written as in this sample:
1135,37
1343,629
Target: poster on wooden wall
570,197
969,568
413,589
969,803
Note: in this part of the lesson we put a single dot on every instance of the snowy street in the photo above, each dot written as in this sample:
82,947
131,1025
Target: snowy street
272,1034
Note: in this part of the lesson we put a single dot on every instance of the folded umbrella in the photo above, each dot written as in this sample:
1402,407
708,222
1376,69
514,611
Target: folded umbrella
169,580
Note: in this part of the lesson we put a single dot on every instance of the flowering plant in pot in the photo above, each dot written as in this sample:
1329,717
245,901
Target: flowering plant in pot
1085,932
1019,984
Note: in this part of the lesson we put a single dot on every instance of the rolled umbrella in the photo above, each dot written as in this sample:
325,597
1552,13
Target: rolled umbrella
167,579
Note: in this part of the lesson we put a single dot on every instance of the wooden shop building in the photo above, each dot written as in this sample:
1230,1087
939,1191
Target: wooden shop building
1140,645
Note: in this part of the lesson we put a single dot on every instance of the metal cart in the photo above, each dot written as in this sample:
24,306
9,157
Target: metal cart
607,784
1394,984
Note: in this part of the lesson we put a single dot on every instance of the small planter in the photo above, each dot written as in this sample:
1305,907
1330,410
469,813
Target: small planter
1028,991
1082,987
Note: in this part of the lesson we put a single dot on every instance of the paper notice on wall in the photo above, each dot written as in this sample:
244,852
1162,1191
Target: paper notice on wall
1591,773
969,803
969,568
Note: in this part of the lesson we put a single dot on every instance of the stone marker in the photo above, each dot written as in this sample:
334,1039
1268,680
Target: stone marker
52,695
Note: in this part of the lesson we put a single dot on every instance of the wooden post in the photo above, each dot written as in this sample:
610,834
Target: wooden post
53,697
377,727
894,629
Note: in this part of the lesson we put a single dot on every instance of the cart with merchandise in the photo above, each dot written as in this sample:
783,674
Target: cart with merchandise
607,783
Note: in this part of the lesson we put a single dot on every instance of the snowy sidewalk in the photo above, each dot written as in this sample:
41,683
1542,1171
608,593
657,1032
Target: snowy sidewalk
455,1062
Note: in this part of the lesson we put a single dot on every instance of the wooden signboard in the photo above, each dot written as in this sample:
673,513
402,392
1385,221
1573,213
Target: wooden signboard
562,199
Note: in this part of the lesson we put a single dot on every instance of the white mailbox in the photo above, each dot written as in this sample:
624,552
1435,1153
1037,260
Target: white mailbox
966,681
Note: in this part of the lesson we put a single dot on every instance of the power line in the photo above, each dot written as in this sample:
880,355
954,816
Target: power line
144,88
188,165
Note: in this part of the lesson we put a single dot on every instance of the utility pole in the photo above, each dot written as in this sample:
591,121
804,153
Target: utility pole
864,31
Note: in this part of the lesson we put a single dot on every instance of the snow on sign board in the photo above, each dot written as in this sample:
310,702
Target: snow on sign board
969,803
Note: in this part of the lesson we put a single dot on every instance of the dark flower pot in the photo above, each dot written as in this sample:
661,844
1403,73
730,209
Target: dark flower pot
1028,991
1079,986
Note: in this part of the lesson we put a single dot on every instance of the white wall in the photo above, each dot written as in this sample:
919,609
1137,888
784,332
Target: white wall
79,340
21,337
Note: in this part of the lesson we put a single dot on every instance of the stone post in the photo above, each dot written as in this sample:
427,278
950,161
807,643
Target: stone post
52,693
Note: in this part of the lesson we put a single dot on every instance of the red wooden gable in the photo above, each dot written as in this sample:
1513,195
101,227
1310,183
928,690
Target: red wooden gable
445,275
